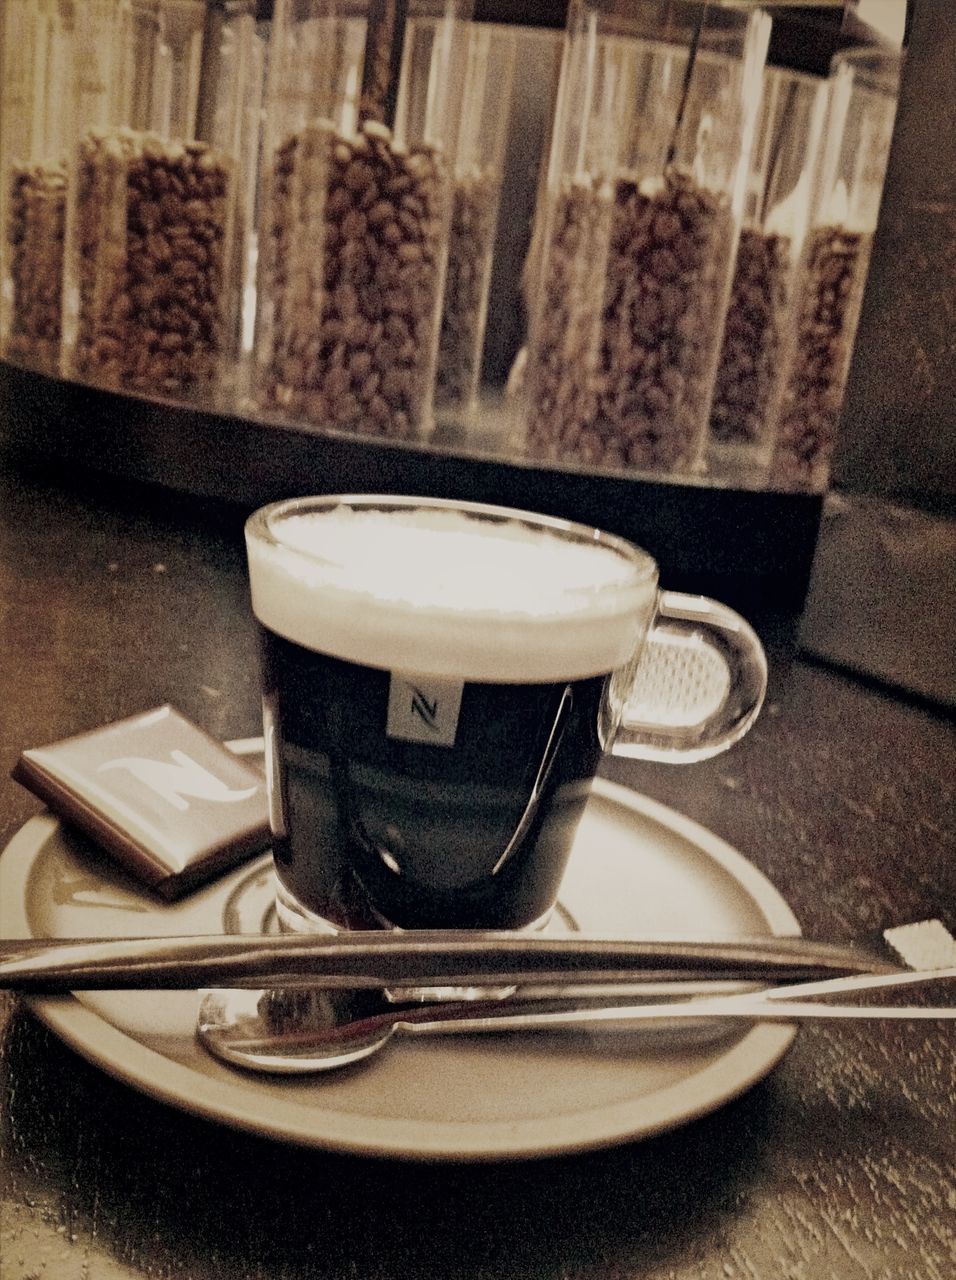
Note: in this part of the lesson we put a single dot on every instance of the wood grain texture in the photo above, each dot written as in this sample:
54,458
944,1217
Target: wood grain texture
117,598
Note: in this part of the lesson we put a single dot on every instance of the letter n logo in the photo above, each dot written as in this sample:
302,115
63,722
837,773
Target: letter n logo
174,781
423,710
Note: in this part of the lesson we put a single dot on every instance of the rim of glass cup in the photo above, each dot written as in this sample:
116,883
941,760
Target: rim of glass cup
265,525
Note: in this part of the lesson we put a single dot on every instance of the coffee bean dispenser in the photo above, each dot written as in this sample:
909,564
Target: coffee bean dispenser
781,193
476,192
153,271
829,293
363,105
643,206
37,59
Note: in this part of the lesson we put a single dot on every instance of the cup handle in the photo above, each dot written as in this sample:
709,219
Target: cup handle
698,685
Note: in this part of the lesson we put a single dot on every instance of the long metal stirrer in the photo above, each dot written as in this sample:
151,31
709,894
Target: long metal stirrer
419,959
685,87
385,40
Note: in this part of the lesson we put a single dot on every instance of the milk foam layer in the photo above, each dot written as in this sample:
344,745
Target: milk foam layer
437,592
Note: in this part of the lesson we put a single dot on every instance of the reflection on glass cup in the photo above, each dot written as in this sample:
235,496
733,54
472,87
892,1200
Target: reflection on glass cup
440,682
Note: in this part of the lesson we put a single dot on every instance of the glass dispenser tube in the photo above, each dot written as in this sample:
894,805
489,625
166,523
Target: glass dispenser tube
782,190
152,276
476,192
362,121
836,258
644,197
35,123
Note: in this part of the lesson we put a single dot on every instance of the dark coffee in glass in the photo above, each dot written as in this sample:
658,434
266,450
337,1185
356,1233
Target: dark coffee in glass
440,681
416,834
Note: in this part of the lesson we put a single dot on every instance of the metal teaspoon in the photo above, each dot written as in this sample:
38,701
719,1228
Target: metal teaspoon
302,1032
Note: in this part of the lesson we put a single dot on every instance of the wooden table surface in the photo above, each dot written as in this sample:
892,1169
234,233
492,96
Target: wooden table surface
114,599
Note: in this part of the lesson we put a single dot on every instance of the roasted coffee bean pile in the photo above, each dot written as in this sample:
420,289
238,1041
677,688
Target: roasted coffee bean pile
35,234
753,333
470,246
354,328
828,310
623,355
151,231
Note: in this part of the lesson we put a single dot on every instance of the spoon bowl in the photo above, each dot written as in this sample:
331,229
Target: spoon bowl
293,1032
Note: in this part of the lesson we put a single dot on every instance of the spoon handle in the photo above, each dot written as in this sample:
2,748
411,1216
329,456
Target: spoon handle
421,959
627,1018
784,1004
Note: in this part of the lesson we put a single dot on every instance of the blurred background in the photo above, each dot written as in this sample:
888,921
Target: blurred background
682,269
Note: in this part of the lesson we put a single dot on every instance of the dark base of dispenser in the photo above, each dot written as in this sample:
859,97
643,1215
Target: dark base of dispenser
752,548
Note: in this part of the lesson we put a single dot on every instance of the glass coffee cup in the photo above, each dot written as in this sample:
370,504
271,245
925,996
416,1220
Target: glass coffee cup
441,681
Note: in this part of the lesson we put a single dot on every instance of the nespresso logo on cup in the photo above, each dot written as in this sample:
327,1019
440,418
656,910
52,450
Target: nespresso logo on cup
423,710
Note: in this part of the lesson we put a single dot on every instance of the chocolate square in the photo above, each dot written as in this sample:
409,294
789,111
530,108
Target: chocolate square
159,794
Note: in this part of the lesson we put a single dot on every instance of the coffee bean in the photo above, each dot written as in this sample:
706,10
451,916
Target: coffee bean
370,386
358,175
346,408
337,205
618,366
396,329
379,411
380,213
360,365
352,226
184,269
410,252
827,311
395,384
346,300
337,381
